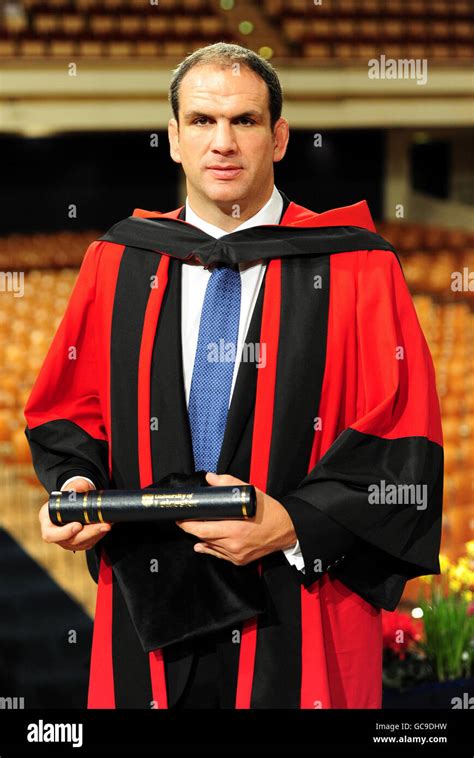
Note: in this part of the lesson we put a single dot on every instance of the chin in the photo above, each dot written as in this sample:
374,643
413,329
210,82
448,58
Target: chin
229,191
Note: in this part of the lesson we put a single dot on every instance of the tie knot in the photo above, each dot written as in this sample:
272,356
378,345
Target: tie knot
223,267
217,253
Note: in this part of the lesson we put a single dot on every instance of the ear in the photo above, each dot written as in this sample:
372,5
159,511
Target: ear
173,136
281,135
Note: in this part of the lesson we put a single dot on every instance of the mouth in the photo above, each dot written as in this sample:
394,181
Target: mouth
224,173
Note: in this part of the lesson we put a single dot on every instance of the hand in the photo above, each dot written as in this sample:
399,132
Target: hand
246,540
73,536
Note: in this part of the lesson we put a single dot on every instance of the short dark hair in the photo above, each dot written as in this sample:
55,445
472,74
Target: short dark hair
225,54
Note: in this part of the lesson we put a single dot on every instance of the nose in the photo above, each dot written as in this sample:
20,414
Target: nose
223,139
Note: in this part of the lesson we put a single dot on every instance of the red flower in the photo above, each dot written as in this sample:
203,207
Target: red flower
400,632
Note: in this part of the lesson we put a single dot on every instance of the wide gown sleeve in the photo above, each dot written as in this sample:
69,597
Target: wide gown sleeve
65,426
371,507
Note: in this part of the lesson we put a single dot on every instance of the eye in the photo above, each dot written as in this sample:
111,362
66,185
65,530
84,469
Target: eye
200,119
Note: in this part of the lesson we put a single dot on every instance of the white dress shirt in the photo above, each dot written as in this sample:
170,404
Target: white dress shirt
194,281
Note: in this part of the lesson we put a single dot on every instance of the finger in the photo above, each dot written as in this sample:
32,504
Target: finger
73,548
78,485
222,480
211,551
82,536
92,532
83,543
218,547
205,530
53,533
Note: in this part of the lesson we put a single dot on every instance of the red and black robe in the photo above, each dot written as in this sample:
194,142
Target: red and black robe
346,401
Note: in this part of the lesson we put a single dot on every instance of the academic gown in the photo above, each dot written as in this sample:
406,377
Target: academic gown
344,400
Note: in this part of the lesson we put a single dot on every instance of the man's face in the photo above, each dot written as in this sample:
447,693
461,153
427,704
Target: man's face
224,140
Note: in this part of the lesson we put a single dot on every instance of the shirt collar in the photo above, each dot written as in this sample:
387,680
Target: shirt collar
270,213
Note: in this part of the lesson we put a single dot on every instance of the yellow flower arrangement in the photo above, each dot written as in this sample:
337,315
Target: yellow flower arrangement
459,576
448,616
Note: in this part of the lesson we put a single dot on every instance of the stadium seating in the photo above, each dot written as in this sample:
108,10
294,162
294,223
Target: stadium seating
336,30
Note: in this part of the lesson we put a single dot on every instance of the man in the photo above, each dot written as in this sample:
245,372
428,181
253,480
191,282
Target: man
334,419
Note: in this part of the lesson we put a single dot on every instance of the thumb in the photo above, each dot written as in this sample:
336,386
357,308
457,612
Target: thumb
222,480
78,485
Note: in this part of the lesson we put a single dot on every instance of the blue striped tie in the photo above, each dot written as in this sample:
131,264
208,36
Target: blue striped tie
214,366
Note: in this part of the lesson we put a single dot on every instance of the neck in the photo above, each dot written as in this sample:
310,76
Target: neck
220,214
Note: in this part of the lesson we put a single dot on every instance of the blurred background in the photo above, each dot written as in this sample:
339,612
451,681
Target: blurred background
83,117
